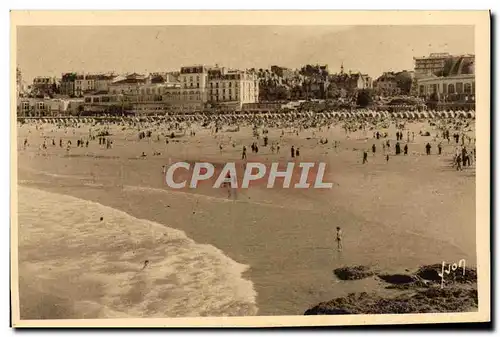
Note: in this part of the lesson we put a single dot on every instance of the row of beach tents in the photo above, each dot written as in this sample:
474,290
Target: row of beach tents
269,115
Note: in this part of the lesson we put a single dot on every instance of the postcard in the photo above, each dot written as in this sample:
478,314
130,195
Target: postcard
249,168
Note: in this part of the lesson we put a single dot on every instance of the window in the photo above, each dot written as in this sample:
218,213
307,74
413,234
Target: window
230,83
460,88
217,84
451,88
190,78
197,85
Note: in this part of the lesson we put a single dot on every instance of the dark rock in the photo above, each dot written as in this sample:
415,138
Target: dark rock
398,278
353,273
431,273
423,301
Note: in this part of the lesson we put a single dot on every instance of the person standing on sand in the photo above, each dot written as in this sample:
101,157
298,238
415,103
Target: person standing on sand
365,157
459,162
292,151
244,153
339,239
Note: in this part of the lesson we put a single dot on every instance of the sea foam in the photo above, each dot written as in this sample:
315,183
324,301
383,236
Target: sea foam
121,266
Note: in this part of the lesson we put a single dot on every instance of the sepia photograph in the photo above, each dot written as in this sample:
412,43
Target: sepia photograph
250,168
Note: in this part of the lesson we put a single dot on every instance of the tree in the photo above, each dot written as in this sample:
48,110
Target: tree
364,98
80,110
404,82
433,101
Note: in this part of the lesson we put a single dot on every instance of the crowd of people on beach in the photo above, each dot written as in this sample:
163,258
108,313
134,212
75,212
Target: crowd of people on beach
371,132
439,131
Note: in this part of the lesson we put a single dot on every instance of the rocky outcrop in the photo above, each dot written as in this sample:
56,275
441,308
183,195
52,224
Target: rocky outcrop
418,292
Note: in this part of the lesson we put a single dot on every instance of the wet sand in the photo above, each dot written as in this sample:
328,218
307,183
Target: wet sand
410,211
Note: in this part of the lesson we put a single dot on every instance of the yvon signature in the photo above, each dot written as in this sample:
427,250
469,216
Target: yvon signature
451,267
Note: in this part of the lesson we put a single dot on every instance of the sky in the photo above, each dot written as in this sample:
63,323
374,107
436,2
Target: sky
53,50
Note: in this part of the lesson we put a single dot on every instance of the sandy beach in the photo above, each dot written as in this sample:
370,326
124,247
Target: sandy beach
270,251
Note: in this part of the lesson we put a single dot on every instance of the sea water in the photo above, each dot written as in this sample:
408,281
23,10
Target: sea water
72,264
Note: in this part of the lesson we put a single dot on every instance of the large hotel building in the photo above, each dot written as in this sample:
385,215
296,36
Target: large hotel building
449,80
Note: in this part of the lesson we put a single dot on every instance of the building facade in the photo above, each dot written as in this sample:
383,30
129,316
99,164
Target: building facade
387,84
193,88
127,85
458,88
193,82
67,87
437,63
44,85
37,107
102,82
350,81
232,88
84,84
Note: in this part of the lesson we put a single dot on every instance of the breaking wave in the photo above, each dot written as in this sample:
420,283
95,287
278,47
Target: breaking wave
74,265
